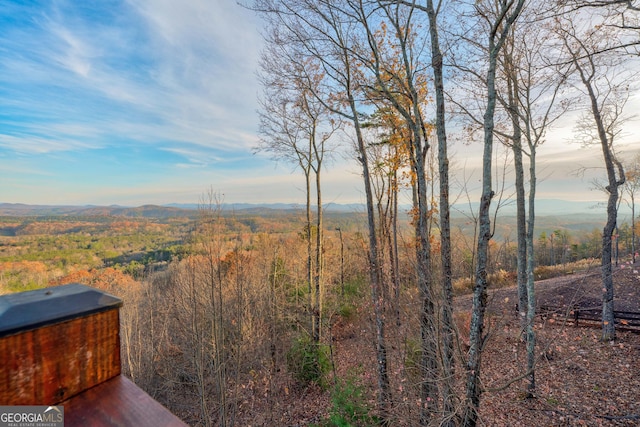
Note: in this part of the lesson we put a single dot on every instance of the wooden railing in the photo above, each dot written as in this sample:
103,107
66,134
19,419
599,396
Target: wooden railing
627,320
61,346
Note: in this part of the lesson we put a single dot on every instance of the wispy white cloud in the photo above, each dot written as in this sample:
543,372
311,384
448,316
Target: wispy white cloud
184,74
160,95
205,58
26,144
75,53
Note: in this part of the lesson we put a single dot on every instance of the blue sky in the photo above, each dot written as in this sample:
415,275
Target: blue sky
130,102
154,101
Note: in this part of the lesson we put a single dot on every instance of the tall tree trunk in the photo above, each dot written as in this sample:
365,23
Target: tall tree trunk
317,278
418,147
608,319
393,251
384,390
524,224
309,272
428,332
429,366
448,393
521,223
633,228
476,335
608,325
531,296
610,161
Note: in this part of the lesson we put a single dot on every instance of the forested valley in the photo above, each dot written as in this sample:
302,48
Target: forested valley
218,314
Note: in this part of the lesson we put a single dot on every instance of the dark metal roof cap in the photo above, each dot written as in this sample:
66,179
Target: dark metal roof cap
24,311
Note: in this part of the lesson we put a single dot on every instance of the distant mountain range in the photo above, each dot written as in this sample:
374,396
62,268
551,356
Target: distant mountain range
332,207
146,211
543,208
173,210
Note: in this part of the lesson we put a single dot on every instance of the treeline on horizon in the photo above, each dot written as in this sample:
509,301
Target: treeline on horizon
60,244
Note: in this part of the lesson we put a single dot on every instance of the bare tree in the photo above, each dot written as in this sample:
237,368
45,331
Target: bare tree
282,127
296,126
433,11
498,17
622,16
210,232
584,44
322,33
437,65
388,154
398,78
533,88
511,103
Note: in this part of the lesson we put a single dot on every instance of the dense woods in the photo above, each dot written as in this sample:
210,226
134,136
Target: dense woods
229,314
370,64
218,315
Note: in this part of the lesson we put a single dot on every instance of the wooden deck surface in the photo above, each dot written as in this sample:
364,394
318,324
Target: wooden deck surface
117,402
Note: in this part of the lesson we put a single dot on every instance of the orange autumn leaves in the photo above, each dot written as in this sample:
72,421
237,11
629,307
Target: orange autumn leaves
104,278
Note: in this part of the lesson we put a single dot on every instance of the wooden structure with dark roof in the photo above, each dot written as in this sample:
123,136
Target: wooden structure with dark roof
61,346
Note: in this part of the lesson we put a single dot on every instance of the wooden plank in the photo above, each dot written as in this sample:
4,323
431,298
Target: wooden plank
47,365
628,320
117,402
629,315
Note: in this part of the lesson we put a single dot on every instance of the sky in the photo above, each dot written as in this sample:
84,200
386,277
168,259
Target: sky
134,102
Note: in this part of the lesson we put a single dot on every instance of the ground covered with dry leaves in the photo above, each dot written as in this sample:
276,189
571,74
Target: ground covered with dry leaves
581,381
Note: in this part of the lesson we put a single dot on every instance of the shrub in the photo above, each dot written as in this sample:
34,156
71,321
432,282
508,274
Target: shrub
543,272
307,361
462,286
499,279
502,279
346,310
354,287
413,358
349,407
345,300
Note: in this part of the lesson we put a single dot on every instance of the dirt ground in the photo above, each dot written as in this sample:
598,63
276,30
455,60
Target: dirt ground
580,381
584,289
